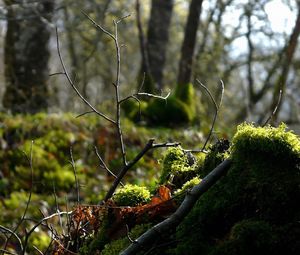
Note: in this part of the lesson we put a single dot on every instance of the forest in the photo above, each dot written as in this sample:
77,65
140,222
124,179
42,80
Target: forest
149,127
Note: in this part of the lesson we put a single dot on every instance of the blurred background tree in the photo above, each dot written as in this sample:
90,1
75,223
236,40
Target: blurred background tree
26,55
245,43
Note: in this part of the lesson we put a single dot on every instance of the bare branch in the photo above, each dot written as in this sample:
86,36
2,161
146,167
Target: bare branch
13,233
217,109
150,236
104,166
70,81
150,145
72,162
146,94
38,224
275,109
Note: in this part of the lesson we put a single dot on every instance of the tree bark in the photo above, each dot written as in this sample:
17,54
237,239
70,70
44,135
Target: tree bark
157,42
189,42
26,56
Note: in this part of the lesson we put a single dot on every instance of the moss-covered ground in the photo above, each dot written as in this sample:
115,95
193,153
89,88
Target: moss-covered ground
253,209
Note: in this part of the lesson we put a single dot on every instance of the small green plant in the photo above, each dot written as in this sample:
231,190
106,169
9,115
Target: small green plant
131,195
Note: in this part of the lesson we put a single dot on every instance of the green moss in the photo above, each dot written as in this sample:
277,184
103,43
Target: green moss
39,239
131,195
115,247
134,110
258,197
186,93
169,112
265,142
216,154
176,167
188,185
248,237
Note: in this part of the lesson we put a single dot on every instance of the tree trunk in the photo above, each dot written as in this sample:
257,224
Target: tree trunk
189,42
26,56
156,45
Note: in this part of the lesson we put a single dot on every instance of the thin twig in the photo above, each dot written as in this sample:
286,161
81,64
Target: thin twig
82,114
13,233
104,166
217,109
57,209
146,94
116,84
127,234
29,159
7,252
72,162
70,81
38,250
38,224
275,109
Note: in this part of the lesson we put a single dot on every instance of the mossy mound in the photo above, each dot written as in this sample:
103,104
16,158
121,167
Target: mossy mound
131,195
255,207
169,112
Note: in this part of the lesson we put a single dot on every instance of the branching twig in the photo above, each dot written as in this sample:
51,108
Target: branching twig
12,233
103,165
38,224
217,109
150,145
70,81
176,218
116,84
145,94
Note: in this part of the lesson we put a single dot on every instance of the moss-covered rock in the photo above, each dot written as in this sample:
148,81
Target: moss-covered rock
131,195
169,112
258,198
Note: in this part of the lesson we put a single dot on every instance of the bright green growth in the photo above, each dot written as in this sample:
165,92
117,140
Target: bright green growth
131,195
119,245
186,93
188,185
176,164
255,207
265,142
39,239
